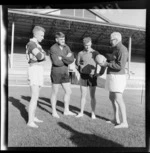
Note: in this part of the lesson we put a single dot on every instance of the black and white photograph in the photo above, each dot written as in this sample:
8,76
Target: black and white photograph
74,77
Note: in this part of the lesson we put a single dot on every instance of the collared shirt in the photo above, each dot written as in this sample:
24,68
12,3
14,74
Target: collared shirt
117,66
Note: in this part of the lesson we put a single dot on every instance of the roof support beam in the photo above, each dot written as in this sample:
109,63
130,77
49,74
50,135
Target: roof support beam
12,44
129,56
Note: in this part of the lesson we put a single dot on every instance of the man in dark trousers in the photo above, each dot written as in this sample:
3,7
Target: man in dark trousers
61,56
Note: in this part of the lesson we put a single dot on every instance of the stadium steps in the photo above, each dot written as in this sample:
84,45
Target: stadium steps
17,75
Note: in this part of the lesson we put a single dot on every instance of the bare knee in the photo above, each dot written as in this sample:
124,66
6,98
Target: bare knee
54,90
67,88
34,95
83,94
119,98
68,92
92,94
54,93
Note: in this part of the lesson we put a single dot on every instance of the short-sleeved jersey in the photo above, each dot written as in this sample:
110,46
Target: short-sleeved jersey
86,61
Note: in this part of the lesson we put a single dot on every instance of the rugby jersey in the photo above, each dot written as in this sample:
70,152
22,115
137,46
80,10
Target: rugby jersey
32,44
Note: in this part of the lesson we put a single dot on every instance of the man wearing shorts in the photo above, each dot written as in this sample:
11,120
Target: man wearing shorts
87,68
61,56
116,79
36,57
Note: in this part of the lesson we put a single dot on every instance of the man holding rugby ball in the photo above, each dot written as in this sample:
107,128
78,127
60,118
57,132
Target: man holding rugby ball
116,79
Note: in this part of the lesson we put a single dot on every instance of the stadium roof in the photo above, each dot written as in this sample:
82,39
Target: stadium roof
74,28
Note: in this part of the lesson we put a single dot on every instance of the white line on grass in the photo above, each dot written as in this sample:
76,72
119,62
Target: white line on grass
73,86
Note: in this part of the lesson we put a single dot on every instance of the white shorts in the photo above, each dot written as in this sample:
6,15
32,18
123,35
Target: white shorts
36,75
115,83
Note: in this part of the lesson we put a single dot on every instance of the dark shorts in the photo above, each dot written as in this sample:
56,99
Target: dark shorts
58,78
87,80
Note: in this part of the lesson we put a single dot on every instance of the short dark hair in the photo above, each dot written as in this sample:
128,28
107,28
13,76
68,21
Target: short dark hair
59,35
38,28
87,40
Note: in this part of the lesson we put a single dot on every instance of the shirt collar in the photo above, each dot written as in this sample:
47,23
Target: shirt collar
90,50
58,45
34,40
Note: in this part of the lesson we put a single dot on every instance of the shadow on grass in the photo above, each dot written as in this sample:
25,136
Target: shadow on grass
49,107
21,107
87,140
61,104
27,98
41,104
72,108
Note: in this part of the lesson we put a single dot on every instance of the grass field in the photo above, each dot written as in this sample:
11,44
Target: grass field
69,131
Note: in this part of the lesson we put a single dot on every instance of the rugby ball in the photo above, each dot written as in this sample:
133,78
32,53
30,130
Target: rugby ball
100,59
